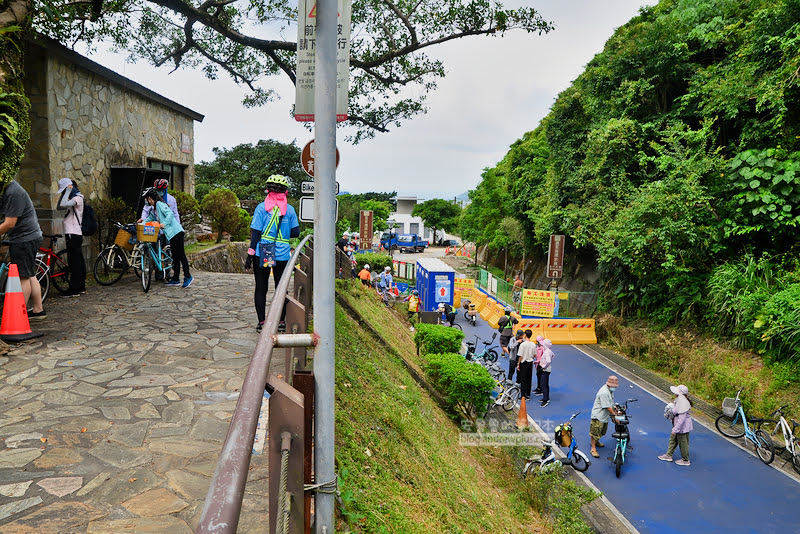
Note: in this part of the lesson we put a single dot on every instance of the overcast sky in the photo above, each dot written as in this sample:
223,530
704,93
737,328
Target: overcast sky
496,89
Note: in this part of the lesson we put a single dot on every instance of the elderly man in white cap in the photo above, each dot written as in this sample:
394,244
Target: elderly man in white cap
602,410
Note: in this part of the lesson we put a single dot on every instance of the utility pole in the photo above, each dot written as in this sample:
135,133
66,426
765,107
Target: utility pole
324,260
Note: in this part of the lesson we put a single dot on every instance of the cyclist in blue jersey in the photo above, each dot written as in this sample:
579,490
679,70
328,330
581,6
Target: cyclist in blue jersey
274,223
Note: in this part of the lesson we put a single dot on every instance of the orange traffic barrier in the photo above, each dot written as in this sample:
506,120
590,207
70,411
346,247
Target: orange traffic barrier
522,416
457,298
582,331
15,325
557,330
486,312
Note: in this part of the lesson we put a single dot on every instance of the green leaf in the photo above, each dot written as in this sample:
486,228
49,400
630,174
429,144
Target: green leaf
754,184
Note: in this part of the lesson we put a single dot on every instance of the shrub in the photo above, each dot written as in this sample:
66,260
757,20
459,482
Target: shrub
114,209
188,209
437,339
779,325
222,208
466,386
242,231
376,262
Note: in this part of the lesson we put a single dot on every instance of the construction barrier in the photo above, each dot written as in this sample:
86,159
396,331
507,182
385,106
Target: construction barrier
582,332
487,310
456,298
561,331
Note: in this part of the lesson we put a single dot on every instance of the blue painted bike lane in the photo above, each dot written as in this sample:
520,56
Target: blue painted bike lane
726,489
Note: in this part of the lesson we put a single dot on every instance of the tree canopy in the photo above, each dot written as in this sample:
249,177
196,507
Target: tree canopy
676,150
438,214
253,41
245,168
350,206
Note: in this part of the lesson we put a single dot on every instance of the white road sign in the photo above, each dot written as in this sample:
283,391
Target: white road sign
307,209
307,188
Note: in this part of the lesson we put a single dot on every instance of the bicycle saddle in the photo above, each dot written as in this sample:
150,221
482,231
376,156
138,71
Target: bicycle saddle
620,435
760,420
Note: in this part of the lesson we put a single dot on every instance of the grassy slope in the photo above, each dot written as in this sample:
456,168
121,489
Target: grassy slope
401,467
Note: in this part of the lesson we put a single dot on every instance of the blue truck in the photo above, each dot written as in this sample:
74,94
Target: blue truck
411,243
388,240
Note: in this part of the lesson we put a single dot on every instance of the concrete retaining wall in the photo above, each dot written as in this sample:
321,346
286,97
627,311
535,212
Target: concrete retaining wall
222,258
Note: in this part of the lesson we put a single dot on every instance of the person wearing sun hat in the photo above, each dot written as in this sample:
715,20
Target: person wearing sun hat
680,414
602,410
72,200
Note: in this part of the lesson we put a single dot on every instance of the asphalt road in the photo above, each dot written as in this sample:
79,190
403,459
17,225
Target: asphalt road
726,489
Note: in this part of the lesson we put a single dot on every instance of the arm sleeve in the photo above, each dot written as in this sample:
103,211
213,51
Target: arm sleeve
67,202
255,237
295,232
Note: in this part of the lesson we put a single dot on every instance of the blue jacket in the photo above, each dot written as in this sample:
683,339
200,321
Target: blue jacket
163,214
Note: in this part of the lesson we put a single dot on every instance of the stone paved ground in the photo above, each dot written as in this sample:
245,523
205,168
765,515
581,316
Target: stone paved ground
112,422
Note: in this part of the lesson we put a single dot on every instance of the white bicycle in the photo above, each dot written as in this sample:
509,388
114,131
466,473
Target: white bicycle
786,440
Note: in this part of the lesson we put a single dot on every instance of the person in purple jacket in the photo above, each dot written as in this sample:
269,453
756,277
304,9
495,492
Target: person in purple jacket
681,425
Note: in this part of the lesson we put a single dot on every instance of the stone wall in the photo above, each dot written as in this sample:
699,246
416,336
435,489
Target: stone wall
222,258
83,124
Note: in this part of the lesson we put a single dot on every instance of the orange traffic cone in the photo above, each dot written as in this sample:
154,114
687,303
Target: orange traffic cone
522,416
14,325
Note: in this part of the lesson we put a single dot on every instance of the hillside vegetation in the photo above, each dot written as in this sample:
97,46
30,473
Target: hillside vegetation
401,467
673,163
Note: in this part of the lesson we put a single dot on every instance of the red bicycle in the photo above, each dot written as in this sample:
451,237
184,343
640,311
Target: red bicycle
56,264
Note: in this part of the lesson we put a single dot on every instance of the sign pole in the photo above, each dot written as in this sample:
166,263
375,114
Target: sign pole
324,260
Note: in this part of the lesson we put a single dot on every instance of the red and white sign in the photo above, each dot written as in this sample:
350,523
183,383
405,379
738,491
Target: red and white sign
307,160
555,257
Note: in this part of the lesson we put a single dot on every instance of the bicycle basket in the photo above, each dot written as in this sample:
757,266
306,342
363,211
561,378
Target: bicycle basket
147,233
124,239
729,406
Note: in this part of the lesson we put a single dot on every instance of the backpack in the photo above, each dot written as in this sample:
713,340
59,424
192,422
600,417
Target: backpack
89,220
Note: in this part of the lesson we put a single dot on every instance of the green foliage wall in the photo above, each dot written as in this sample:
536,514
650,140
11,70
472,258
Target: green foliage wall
673,153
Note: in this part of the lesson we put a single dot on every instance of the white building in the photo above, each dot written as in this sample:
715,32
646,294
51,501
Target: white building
404,222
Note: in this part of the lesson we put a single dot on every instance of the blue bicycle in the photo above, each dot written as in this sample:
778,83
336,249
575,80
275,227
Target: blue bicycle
734,424
153,257
621,435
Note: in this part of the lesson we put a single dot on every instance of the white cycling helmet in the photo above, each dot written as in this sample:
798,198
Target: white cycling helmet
387,268
366,266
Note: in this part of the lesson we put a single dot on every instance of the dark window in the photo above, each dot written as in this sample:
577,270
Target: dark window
176,172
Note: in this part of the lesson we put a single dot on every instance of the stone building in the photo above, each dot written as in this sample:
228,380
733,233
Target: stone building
106,132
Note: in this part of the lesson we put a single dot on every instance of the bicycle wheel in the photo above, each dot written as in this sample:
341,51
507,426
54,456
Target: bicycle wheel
731,427
146,273
388,300
617,463
456,325
491,355
136,259
796,457
764,447
512,398
109,266
42,275
166,261
579,461
59,271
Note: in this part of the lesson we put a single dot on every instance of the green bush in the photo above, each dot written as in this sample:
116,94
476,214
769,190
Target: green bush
222,208
114,209
779,325
437,339
725,381
376,262
188,209
466,386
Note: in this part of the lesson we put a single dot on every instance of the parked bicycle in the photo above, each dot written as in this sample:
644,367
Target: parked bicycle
57,268
621,435
488,354
114,260
786,440
563,437
506,394
734,424
153,257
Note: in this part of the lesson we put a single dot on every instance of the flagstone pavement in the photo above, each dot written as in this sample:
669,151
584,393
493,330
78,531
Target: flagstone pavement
113,420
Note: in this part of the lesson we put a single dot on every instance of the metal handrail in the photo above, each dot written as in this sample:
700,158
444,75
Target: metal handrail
223,502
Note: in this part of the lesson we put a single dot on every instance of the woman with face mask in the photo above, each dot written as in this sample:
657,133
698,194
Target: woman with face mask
602,410
681,425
